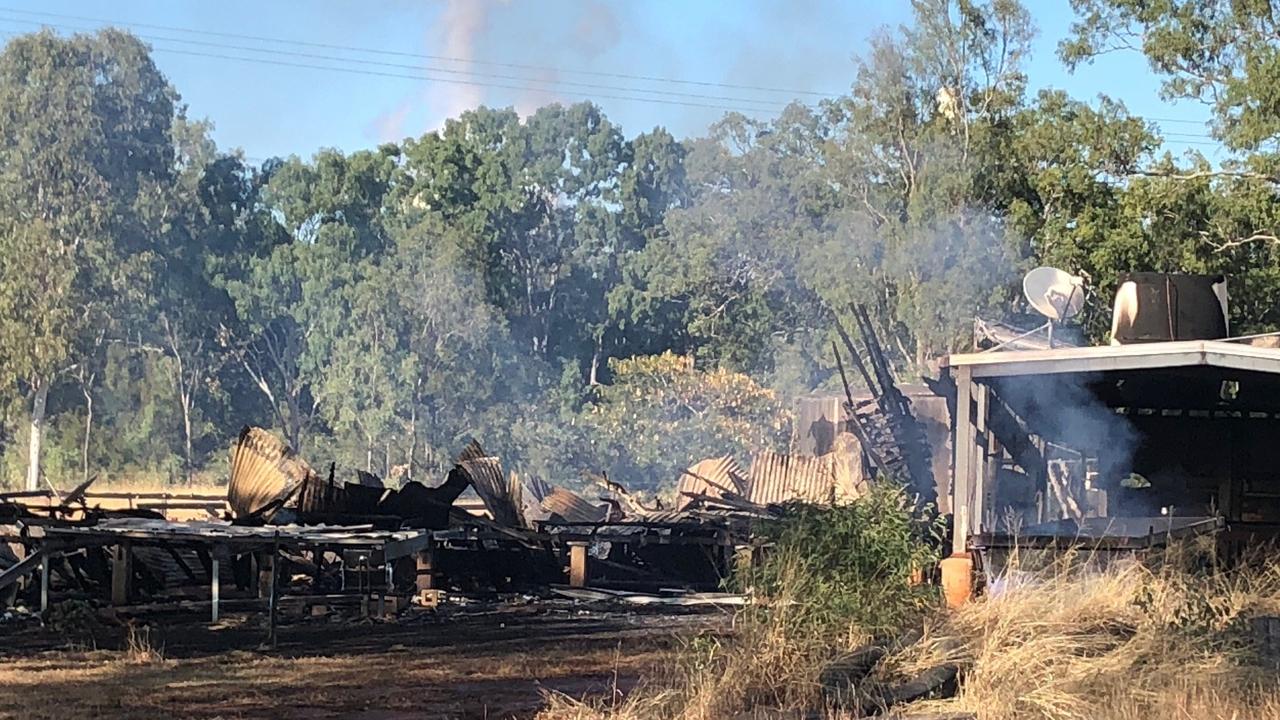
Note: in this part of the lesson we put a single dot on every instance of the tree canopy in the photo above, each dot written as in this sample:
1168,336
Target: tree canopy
577,298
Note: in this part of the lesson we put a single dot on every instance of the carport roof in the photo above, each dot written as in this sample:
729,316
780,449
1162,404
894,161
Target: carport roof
1108,358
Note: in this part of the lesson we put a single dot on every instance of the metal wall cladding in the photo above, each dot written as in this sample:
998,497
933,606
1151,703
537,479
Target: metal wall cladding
777,478
320,497
502,496
819,420
851,480
711,477
814,413
263,469
571,507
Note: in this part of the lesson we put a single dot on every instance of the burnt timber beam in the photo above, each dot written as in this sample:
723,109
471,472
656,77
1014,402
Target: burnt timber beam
23,568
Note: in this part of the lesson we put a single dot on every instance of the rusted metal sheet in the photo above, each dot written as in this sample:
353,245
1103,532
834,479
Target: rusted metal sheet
777,477
532,490
714,477
503,496
321,497
931,414
568,506
472,451
849,473
263,471
819,420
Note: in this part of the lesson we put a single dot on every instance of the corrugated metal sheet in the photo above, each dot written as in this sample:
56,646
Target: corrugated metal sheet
819,420
930,411
530,499
263,470
777,477
847,466
571,507
320,497
472,451
502,496
713,477
537,488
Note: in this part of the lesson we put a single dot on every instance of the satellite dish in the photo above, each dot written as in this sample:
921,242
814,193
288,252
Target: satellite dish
1054,293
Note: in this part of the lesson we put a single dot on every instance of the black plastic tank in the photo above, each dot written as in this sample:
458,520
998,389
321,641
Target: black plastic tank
1159,307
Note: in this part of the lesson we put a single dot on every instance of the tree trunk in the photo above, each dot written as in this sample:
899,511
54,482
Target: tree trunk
594,379
413,439
188,458
88,433
5,436
37,434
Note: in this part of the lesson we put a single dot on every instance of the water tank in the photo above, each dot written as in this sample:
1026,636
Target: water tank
1159,307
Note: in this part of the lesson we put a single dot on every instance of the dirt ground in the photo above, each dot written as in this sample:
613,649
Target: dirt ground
496,662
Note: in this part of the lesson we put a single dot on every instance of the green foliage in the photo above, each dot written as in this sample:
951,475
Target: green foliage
660,415
531,282
1220,52
850,565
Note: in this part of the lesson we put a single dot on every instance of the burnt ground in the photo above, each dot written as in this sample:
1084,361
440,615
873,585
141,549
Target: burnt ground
494,661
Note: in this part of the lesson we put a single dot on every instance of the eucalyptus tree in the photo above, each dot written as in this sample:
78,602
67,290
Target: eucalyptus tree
86,166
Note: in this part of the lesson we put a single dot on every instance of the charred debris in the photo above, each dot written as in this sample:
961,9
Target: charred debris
288,534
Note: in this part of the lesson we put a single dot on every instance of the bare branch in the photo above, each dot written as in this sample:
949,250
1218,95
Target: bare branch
1237,242
1243,175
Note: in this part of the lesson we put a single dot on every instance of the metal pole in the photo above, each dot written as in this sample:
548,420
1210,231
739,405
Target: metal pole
271,598
962,470
44,580
214,572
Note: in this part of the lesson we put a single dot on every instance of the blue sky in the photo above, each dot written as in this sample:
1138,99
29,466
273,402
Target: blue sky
534,49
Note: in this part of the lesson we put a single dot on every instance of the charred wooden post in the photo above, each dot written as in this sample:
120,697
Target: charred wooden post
426,568
271,578
121,573
578,564
266,565
317,567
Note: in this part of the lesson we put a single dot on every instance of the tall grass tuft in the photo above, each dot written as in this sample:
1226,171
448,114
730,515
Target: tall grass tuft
140,647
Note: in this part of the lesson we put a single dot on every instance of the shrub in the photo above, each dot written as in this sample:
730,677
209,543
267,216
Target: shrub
851,565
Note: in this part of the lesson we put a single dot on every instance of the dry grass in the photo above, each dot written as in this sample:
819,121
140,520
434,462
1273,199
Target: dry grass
211,480
1171,639
142,484
1134,640
141,647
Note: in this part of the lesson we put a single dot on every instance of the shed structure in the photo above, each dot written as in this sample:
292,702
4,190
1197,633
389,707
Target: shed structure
1127,444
